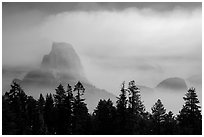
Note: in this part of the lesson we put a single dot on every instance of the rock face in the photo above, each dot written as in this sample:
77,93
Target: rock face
173,84
63,59
62,66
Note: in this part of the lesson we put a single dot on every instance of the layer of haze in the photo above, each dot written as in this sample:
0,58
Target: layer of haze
116,42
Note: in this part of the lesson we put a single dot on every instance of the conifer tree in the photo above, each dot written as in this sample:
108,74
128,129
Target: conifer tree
68,114
41,103
105,117
121,105
135,109
42,129
158,116
49,115
9,125
80,91
17,100
60,97
69,109
122,100
170,124
190,119
33,116
135,102
80,111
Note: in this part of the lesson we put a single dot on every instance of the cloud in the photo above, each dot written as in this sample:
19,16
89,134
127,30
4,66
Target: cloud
129,32
130,43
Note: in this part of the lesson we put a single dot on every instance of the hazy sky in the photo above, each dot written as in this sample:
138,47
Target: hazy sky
147,42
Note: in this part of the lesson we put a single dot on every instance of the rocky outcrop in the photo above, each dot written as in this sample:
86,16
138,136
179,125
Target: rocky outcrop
173,84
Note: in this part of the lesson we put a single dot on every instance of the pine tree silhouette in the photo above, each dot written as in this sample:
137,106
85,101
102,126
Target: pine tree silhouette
69,109
17,100
49,114
80,111
135,103
60,108
9,125
158,116
135,109
170,125
190,119
42,129
105,114
121,117
68,114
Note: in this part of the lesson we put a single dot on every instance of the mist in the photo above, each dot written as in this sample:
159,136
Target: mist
115,44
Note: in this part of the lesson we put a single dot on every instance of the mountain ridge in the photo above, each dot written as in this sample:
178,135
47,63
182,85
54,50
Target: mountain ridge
62,66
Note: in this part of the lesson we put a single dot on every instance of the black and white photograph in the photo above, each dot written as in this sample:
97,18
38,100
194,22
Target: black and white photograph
101,68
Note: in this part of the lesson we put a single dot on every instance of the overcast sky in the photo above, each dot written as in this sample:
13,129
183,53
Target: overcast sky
147,42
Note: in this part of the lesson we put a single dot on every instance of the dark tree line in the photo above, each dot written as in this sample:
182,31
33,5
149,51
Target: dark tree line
66,113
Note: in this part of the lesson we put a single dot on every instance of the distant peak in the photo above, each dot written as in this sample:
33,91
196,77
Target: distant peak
60,45
174,83
62,55
64,62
